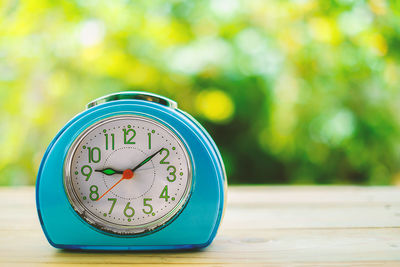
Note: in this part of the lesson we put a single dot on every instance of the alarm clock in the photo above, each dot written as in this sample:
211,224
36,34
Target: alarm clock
131,172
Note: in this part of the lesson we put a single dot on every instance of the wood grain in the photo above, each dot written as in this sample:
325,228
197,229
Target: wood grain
274,226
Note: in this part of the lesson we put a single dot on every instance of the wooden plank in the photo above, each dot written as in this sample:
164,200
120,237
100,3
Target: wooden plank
271,208
278,226
290,217
275,246
312,195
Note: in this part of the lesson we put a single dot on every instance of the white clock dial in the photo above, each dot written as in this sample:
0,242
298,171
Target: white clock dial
127,174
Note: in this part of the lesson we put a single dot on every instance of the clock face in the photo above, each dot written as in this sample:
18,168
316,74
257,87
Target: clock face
127,175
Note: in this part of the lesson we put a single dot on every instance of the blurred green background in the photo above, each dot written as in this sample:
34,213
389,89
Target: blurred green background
293,92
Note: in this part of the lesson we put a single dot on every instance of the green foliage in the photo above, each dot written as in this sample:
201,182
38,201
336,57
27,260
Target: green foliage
302,91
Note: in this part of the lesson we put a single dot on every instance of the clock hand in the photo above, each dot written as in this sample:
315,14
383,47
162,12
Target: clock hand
109,171
127,174
146,160
143,169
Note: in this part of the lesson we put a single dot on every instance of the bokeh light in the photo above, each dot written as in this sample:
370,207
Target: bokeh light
293,91
215,105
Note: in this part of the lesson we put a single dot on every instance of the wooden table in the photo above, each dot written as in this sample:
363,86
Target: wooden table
352,226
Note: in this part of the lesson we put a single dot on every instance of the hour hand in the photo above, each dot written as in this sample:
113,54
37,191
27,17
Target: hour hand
109,171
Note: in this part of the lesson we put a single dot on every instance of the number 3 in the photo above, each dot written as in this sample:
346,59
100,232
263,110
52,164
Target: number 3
171,173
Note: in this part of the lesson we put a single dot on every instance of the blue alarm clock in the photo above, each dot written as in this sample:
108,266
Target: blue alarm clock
131,172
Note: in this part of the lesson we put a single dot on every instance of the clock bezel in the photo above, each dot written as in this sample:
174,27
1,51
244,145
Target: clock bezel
117,229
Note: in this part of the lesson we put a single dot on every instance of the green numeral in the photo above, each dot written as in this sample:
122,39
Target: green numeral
147,205
130,209
94,191
126,133
172,173
112,141
91,154
114,200
164,193
86,173
166,156
149,134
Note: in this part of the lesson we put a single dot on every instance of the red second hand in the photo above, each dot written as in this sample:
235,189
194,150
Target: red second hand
127,174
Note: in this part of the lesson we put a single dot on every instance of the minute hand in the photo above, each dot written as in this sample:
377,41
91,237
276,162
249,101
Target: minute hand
146,160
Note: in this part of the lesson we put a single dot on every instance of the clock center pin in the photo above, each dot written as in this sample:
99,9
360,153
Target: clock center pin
128,174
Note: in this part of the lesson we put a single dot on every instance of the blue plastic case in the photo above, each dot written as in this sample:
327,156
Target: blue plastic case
194,227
